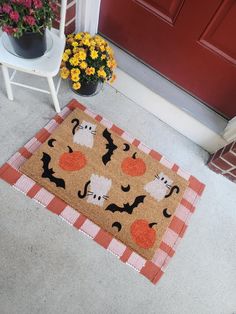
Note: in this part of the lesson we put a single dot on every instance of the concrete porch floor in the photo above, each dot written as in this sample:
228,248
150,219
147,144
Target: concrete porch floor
47,267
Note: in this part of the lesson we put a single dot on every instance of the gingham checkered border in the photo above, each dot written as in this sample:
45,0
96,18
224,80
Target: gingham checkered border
153,269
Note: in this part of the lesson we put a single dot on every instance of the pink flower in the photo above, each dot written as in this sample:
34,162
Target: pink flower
14,15
29,20
8,29
27,3
54,6
6,8
37,4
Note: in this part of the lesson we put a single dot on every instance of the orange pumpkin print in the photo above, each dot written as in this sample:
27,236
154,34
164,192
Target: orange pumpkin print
143,234
133,166
72,161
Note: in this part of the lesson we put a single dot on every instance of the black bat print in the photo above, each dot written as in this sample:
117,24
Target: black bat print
76,121
110,146
126,207
49,173
174,188
85,190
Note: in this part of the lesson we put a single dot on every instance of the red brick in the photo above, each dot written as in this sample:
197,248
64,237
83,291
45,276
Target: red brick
70,28
221,164
233,149
217,154
70,13
213,168
233,172
228,155
230,177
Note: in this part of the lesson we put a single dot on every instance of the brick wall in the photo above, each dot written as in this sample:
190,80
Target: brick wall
70,17
224,161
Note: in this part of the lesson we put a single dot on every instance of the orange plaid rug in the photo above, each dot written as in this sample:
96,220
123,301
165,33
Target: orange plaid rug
150,265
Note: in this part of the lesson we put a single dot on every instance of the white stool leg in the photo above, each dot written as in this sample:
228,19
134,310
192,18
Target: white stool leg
54,94
7,82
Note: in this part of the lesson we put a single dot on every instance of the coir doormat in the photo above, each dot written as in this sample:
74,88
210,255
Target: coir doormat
127,197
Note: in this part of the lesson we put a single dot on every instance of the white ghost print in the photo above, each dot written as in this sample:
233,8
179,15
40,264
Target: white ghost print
85,135
159,187
98,189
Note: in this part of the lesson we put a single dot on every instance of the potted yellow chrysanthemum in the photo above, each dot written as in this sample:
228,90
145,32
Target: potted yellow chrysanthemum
87,60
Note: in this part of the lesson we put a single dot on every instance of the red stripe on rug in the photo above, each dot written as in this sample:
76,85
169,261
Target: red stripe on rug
117,130
151,271
98,118
176,225
126,255
58,119
79,222
56,205
73,104
175,168
166,248
25,153
155,155
9,174
42,135
34,190
196,185
136,142
103,238
188,205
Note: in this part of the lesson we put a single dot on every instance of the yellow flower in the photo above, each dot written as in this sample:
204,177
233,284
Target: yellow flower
102,48
76,85
87,35
75,77
64,72
109,50
70,35
68,51
113,78
75,44
78,36
109,63
73,61
90,71
75,71
82,54
70,40
86,41
75,49
101,73
94,54
113,63
103,56
92,42
83,65
65,57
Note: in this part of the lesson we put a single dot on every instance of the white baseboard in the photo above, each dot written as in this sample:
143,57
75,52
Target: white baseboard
179,119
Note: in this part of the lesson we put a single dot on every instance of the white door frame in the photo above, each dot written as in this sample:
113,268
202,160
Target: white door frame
87,21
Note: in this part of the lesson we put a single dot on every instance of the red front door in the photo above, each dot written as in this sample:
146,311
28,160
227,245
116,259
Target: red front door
191,42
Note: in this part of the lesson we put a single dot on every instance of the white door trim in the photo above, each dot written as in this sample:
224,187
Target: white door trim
88,17
230,130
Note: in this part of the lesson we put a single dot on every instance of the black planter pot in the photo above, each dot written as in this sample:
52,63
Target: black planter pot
86,89
29,45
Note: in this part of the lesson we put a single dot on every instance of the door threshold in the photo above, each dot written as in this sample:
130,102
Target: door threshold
168,102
